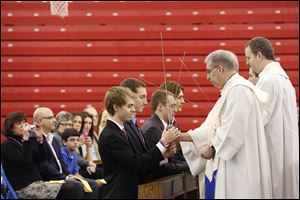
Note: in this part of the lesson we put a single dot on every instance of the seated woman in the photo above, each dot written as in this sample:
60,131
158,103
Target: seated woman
89,148
89,143
19,156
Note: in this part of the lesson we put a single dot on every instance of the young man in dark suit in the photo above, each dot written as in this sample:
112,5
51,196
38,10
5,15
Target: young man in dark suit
178,92
121,163
163,106
135,134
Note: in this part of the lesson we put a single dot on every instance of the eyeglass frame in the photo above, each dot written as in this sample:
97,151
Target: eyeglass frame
66,124
50,117
208,71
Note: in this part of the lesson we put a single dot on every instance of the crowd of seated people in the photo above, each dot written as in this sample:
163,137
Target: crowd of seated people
62,153
65,155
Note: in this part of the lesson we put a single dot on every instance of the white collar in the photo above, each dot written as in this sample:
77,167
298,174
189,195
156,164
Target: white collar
49,137
163,121
273,68
119,125
229,81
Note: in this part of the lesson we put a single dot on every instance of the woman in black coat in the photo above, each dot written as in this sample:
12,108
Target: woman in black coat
19,156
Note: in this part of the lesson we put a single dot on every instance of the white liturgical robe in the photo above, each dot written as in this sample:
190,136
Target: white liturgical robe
281,127
235,128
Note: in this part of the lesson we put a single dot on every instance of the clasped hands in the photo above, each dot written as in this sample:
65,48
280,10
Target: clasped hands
169,137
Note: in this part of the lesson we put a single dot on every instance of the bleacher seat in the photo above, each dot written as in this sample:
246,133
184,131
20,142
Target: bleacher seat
66,93
109,78
121,63
92,48
150,32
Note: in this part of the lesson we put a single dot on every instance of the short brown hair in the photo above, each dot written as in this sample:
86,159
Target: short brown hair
159,96
262,45
172,86
69,132
12,118
116,96
132,84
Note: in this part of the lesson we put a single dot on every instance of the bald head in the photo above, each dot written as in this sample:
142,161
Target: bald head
42,112
44,117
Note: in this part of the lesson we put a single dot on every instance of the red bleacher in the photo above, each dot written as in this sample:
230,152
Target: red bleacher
163,15
149,32
69,63
104,48
121,63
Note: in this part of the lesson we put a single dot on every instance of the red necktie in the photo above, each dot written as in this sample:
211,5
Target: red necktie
125,134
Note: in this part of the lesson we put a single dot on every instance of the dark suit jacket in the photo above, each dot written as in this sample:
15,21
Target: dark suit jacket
135,139
152,130
49,168
121,164
139,145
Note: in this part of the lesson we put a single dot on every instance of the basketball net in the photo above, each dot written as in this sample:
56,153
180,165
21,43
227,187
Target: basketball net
59,8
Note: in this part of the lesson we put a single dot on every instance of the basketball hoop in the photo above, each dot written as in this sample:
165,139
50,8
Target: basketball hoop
59,8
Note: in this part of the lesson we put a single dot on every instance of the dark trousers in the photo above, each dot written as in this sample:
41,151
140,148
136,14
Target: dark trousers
97,175
75,190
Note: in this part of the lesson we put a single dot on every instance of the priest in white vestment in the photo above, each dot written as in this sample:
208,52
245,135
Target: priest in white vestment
229,150
281,124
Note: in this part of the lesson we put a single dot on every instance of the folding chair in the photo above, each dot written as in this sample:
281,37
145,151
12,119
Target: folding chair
7,192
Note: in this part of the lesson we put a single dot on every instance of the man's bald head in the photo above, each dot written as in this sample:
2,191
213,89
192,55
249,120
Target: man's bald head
44,117
41,112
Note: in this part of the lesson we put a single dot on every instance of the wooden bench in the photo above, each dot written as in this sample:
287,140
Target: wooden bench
169,187
164,188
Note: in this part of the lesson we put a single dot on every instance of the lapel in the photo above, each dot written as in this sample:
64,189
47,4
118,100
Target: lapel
139,134
157,120
56,148
117,131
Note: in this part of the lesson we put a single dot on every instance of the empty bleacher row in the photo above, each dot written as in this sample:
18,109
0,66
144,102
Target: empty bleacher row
148,5
68,63
142,47
98,78
122,63
149,32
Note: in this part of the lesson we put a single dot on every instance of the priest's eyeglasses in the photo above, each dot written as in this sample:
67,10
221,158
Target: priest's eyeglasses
208,71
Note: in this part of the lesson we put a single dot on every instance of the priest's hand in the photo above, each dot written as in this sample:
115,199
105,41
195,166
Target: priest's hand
208,152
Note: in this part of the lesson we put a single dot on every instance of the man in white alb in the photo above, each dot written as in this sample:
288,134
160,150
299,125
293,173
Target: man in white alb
230,147
281,124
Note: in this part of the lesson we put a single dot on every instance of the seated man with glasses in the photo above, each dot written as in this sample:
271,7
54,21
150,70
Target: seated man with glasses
54,167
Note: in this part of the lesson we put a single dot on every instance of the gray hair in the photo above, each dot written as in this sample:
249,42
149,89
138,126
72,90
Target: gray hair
224,58
62,116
